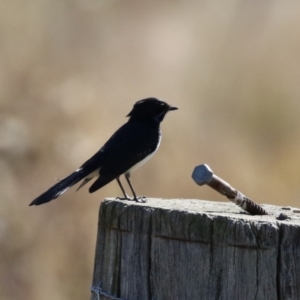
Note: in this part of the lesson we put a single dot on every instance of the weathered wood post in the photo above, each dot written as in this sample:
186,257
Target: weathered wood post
192,249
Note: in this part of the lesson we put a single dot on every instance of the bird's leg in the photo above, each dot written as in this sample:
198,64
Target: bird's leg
137,199
126,197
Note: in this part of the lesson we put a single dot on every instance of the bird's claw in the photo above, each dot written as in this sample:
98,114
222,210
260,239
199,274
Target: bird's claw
141,199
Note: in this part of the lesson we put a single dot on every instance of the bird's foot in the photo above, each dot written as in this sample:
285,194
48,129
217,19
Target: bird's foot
141,199
126,197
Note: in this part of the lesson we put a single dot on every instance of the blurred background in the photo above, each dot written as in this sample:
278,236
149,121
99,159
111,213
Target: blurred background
71,70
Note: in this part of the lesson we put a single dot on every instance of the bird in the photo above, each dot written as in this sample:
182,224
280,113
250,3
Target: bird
129,147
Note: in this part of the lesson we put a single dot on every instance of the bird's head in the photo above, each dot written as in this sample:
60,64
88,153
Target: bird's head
150,108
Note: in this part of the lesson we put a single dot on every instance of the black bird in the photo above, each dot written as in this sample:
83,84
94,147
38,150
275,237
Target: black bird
131,146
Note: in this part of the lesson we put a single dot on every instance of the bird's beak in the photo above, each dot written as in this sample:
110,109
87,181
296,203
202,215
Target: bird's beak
172,108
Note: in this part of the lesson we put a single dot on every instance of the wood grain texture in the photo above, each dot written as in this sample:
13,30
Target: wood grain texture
194,249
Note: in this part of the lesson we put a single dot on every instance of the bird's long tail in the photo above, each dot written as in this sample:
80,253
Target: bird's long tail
60,187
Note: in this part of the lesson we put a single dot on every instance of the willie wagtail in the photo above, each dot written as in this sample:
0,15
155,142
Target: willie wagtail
130,147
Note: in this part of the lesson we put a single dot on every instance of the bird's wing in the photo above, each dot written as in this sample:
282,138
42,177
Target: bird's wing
124,150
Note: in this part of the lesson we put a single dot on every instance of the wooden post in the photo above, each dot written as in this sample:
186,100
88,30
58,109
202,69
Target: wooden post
194,249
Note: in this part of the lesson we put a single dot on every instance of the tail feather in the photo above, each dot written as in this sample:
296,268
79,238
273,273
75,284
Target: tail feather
84,182
60,187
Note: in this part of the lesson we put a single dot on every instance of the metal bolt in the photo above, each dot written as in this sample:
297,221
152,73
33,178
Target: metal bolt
204,175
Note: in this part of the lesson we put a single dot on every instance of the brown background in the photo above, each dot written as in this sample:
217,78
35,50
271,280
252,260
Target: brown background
71,70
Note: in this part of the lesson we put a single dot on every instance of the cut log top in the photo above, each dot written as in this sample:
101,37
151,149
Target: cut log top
225,209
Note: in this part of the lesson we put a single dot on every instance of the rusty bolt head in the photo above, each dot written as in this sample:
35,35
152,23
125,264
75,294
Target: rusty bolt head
202,174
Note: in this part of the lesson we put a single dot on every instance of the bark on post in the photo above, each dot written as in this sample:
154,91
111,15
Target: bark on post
194,249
